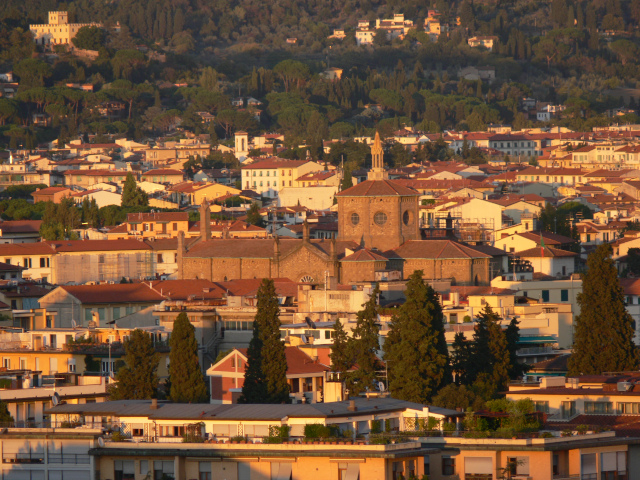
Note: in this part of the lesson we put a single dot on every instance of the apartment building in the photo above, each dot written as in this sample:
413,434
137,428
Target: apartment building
268,177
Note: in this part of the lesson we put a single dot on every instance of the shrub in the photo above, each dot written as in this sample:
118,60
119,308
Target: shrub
466,319
347,433
449,427
376,427
238,438
316,430
118,436
582,429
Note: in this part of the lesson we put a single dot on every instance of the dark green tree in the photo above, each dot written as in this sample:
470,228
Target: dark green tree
132,195
460,359
364,345
253,215
415,348
138,379
512,333
187,381
89,38
265,379
341,360
5,417
603,340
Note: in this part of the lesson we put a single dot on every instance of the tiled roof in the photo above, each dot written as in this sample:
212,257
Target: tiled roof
114,293
163,171
549,238
364,255
97,245
435,249
20,226
183,289
49,191
378,188
37,248
158,217
248,287
549,252
274,163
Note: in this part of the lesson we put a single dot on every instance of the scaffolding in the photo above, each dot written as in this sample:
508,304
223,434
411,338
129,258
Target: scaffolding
103,267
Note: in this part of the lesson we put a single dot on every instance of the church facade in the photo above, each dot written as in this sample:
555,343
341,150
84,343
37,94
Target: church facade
378,229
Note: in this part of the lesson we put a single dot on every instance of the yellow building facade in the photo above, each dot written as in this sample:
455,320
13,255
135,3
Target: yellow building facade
58,31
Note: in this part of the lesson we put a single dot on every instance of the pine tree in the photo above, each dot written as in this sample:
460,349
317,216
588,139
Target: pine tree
415,348
341,360
364,344
138,379
513,337
460,359
265,378
187,381
603,339
132,195
489,363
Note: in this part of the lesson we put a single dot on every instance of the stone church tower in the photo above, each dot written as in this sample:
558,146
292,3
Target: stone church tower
378,213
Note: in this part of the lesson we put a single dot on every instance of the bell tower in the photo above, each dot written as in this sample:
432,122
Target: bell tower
377,164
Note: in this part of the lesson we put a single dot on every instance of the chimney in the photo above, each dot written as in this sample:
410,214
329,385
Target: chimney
205,221
180,252
305,231
154,404
352,406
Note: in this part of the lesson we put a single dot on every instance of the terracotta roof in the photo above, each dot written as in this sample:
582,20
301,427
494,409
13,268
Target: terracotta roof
158,217
28,290
8,267
183,289
248,287
377,188
114,293
315,176
557,364
49,191
631,286
97,245
435,249
549,238
20,226
298,362
549,252
274,163
364,255
163,171
37,248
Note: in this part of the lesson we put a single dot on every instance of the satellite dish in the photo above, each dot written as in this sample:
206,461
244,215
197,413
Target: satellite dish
55,399
381,386
101,442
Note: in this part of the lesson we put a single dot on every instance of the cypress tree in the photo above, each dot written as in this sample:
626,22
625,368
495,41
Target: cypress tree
364,344
489,363
513,337
341,360
138,379
603,339
460,359
415,348
266,369
187,381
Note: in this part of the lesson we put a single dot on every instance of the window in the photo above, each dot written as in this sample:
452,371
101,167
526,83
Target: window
568,409
124,470
380,218
88,314
545,296
144,467
518,465
564,295
44,262
598,407
427,465
628,408
71,365
204,470
101,314
588,466
476,468
449,465
613,465
160,260
23,363
541,406
355,218
6,363
26,262
116,313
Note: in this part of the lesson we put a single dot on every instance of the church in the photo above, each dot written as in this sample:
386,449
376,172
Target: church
378,231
